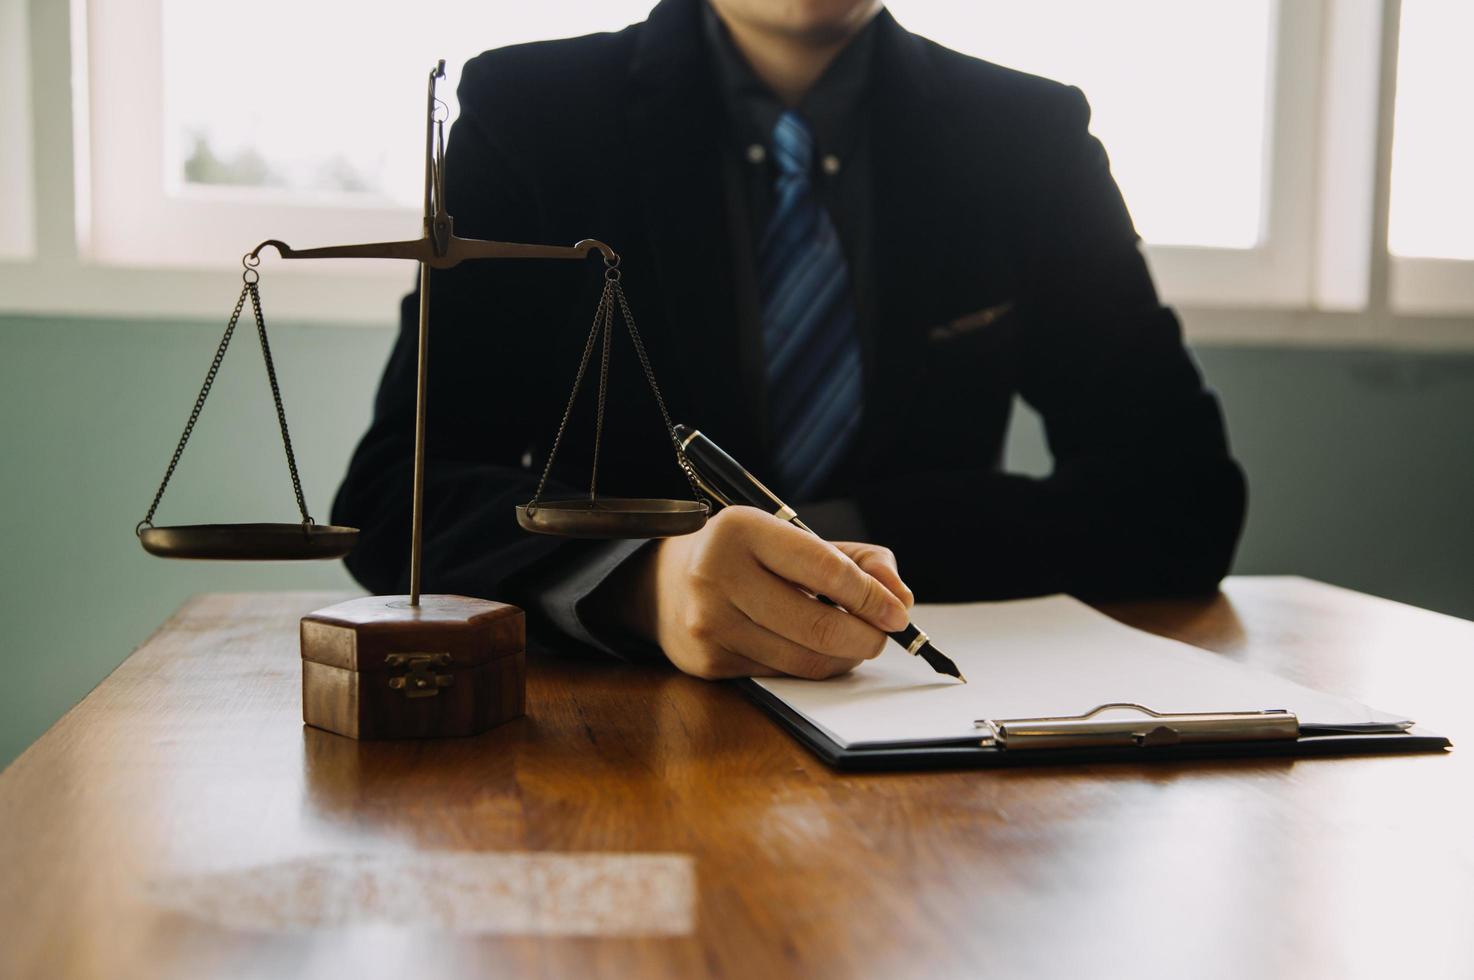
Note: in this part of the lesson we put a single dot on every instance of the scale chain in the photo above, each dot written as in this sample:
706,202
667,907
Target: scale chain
249,289
670,429
612,295
199,404
281,414
583,364
603,389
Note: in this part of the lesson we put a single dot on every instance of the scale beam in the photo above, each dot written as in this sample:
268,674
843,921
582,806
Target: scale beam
455,251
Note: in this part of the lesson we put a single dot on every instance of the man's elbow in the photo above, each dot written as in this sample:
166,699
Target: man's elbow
1196,546
1175,537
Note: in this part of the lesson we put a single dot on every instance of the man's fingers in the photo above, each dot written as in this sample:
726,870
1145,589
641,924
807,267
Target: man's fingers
821,568
879,562
777,606
756,643
717,664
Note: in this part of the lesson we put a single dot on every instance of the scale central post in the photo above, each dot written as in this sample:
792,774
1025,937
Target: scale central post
422,359
417,517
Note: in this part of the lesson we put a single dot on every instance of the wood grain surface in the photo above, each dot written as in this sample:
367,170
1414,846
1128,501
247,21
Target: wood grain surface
182,822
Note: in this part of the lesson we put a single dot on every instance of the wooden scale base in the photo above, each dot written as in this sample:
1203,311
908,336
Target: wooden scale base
379,667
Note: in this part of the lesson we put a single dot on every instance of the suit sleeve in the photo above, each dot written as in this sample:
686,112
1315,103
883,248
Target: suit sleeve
484,320
1144,498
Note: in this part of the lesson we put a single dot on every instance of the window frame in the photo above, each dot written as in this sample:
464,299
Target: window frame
1321,273
17,181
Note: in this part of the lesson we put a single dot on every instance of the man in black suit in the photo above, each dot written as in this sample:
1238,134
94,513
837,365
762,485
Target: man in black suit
848,248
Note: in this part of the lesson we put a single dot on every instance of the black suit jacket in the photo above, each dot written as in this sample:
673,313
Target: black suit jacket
1005,263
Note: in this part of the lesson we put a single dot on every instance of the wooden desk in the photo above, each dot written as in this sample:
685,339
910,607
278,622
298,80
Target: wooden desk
180,822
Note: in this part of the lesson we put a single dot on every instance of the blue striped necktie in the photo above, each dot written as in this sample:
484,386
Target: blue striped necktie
810,344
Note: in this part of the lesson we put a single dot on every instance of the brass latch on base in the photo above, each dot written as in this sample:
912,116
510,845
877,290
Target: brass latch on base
419,681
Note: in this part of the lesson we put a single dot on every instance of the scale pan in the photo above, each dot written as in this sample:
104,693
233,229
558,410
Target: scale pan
614,517
249,542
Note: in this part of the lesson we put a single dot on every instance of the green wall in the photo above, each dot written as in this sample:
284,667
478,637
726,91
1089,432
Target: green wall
1360,467
92,411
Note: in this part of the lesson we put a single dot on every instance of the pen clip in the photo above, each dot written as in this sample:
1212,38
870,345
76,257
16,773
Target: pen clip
706,487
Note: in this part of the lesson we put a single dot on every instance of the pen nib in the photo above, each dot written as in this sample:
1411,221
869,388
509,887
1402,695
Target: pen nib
940,662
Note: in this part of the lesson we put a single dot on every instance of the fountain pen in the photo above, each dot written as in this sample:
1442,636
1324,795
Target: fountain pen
724,478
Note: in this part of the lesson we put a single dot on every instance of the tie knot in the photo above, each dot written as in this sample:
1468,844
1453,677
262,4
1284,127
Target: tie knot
793,145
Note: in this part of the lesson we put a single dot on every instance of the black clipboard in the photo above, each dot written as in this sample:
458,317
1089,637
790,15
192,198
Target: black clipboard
976,755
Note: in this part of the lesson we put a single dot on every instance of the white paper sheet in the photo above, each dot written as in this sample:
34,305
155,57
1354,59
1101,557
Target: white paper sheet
1043,657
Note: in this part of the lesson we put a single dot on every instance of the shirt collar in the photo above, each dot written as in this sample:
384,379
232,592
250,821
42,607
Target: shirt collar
831,107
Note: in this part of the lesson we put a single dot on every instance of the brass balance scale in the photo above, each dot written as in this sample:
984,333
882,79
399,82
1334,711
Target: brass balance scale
440,248
410,619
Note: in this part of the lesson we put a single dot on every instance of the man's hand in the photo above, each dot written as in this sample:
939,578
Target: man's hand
736,599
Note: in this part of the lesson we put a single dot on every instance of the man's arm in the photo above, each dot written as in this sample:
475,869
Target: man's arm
1144,498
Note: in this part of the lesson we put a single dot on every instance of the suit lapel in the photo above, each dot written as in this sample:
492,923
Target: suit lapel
909,224
673,114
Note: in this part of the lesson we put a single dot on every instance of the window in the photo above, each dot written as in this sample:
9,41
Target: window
1430,227
216,127
1202,108
1168,143
229,124
1433,147
1277,155
213,131
17,210
247,103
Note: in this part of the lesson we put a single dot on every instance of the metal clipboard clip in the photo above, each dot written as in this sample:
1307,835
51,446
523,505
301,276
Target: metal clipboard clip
1149,729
